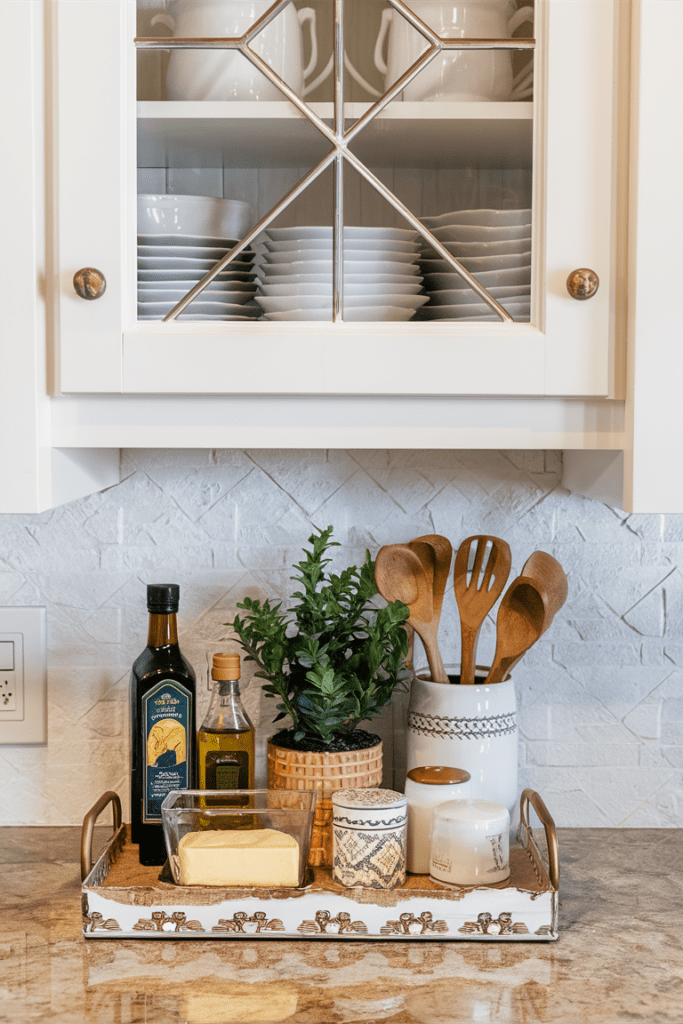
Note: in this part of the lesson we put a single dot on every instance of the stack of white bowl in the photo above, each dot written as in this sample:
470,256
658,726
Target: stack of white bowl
182,237
381,275
495,247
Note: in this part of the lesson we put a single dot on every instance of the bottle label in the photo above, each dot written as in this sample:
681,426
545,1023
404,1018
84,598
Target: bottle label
167,742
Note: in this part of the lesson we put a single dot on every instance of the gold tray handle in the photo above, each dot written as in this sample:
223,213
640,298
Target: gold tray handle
89,827
530,796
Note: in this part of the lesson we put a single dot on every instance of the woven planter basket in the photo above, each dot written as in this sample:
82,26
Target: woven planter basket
302,769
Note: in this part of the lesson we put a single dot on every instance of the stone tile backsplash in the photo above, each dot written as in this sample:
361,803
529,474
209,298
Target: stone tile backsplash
601,702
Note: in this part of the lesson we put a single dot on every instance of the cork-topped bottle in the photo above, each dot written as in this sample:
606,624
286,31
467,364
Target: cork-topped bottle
226,737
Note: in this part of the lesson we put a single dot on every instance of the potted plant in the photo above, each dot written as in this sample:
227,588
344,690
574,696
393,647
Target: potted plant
332,661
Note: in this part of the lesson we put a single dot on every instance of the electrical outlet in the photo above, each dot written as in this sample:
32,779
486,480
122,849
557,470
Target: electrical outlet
8,692
23,675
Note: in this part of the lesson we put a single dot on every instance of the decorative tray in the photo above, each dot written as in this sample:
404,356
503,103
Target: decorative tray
121,899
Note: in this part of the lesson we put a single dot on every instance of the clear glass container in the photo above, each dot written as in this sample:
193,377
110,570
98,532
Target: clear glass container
185,812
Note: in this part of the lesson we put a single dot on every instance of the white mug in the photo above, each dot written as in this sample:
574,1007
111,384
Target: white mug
227,74
454,75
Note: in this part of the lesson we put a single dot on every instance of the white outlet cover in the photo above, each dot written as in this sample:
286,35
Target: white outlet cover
27,629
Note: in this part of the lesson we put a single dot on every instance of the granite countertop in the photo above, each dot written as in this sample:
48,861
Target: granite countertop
619,956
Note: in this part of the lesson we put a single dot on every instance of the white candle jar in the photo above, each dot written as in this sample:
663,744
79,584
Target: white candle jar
369,829
470,843
426,787
472,727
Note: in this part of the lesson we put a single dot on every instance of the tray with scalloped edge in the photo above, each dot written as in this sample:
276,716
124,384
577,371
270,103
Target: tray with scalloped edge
122,899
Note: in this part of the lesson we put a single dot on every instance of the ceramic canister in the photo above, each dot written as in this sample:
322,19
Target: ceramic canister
470,843
369,837
469,727
426,787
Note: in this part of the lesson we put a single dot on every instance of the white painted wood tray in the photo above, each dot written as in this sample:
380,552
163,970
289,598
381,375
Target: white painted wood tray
121,899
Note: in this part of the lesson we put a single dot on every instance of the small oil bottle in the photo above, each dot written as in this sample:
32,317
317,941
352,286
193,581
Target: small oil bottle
226,738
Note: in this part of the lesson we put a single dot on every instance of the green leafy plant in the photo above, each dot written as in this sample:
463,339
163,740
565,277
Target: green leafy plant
333,660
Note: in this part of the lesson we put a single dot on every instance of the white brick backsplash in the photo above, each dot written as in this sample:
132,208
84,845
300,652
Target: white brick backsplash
600,696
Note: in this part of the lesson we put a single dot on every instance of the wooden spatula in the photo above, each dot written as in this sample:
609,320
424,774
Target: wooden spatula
401,576
476,597
519,624
547,570
443,555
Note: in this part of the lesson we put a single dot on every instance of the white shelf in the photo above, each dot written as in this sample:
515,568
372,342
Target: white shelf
274,134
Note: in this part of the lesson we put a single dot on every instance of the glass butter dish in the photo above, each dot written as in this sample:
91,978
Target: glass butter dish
238,837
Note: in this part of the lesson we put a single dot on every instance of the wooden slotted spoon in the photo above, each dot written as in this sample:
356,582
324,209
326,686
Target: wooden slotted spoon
401,576
476,598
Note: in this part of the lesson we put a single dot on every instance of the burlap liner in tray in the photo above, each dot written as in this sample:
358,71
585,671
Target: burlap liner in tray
130,882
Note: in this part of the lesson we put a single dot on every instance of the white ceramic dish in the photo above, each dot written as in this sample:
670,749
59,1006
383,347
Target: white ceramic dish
353,245
480,233
200,317
223,287
303,280
308,268
192,215
350,232
320,255
184,240
163,295
488,279
192,252
462,296
187,277
282,304
474,264
490,218
515,309
362,314
460,249
352,290
173,263
215,308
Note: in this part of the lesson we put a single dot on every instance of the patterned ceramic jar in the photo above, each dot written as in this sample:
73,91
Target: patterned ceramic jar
369,827
471,727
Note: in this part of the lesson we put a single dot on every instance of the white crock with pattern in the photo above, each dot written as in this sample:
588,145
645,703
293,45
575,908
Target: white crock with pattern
370,833
470,727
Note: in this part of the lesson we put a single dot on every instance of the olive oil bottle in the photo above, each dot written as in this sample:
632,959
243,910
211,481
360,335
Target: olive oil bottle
163,726
226,738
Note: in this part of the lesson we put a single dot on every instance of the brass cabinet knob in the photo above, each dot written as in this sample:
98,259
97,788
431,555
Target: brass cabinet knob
583,283
90,283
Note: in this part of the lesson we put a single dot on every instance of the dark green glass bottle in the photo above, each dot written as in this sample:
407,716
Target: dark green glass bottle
162,717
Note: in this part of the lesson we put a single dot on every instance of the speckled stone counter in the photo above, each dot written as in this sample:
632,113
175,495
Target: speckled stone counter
619,956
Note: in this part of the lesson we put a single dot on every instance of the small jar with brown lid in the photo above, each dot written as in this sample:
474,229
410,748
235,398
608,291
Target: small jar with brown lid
426,787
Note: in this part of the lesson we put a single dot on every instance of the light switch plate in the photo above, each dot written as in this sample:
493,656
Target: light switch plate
23,689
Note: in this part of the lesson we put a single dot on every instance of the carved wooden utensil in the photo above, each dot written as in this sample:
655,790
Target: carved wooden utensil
443,554
475,598
520,622
401,576
547,570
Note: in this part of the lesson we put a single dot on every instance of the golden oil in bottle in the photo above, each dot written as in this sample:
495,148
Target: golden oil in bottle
225,743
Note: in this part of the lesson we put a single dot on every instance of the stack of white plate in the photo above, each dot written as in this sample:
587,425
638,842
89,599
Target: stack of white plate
170,265
381,275
495,247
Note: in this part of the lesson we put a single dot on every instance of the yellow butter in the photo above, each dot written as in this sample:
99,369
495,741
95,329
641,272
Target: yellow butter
261,856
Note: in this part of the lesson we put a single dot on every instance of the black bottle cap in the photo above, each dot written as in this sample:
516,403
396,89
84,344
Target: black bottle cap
162,598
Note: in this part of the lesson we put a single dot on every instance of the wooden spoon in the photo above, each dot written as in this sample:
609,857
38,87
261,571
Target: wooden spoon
400,576
547,570
519,624
476,598
443,554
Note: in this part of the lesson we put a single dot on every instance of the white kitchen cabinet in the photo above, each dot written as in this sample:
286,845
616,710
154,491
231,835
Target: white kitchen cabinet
567,350
557,382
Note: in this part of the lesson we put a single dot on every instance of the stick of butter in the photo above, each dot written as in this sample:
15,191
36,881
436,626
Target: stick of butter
261,856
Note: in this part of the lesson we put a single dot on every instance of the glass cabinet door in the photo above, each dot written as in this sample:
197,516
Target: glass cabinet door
342,196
